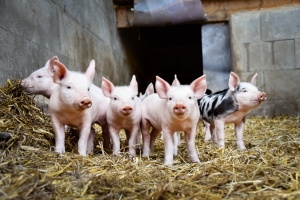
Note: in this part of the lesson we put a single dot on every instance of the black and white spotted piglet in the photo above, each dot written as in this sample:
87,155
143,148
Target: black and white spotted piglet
229,106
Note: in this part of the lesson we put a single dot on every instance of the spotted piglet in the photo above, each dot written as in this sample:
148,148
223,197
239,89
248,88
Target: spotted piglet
229,106
123,113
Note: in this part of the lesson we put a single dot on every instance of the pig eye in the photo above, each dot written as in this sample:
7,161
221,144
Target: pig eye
69,87
88,89
170,98
132,98
244,90
190,97
115,98
40,76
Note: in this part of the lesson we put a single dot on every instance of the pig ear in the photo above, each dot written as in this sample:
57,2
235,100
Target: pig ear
234,81
176,81
150,89
162,87
134,85
60,71
199,86
90,72
253,80
50,66
107,87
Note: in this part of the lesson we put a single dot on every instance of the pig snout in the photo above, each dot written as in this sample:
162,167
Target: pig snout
24,83
179,108
262,96
126,110
85,102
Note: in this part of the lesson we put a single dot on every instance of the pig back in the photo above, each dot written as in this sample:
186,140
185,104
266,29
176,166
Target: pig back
153,108
99,106
218,105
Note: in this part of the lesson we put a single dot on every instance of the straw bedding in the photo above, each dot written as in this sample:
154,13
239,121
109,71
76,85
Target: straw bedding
29,168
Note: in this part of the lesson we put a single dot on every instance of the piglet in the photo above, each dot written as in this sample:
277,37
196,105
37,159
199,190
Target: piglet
172,109
40,81
73,104
123,113
149,90
229,106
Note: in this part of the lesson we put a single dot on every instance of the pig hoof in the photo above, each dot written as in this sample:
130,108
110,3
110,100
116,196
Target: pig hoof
168,163
195,160
242,148
145,154
59,150
83,154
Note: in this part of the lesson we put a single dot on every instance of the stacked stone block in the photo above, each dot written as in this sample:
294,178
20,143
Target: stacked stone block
267,42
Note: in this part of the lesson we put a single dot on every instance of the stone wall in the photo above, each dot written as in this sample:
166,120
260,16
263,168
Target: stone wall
32,31
267,42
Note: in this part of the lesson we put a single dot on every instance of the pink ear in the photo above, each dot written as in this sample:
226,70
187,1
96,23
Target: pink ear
90,72
150,89
162,87
199,86
107,87
134,85
234,81
51,65
60,71
176,81
253,79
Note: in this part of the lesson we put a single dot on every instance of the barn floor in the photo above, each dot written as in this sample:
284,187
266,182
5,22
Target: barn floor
29,169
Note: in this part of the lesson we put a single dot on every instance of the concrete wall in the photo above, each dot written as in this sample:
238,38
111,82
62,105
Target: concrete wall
216,55
268,42
32,31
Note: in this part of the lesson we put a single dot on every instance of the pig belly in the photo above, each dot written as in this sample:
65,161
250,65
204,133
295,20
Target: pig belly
235,117
123,123
66,117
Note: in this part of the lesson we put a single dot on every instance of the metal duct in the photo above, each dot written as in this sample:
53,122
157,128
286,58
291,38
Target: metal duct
164,12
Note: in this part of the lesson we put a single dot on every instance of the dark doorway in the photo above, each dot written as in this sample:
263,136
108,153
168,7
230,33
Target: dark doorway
164,52
172,50
185,50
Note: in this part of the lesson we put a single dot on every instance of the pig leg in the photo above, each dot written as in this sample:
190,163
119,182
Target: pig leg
132,140
145,126
115,137
90,144
168,146
212,132
59,130
106,137
176,140
208,133
219,133
85,131
239,130
190,137
138,140
154,134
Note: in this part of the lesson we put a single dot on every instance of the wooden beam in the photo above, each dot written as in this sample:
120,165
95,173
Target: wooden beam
215,10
